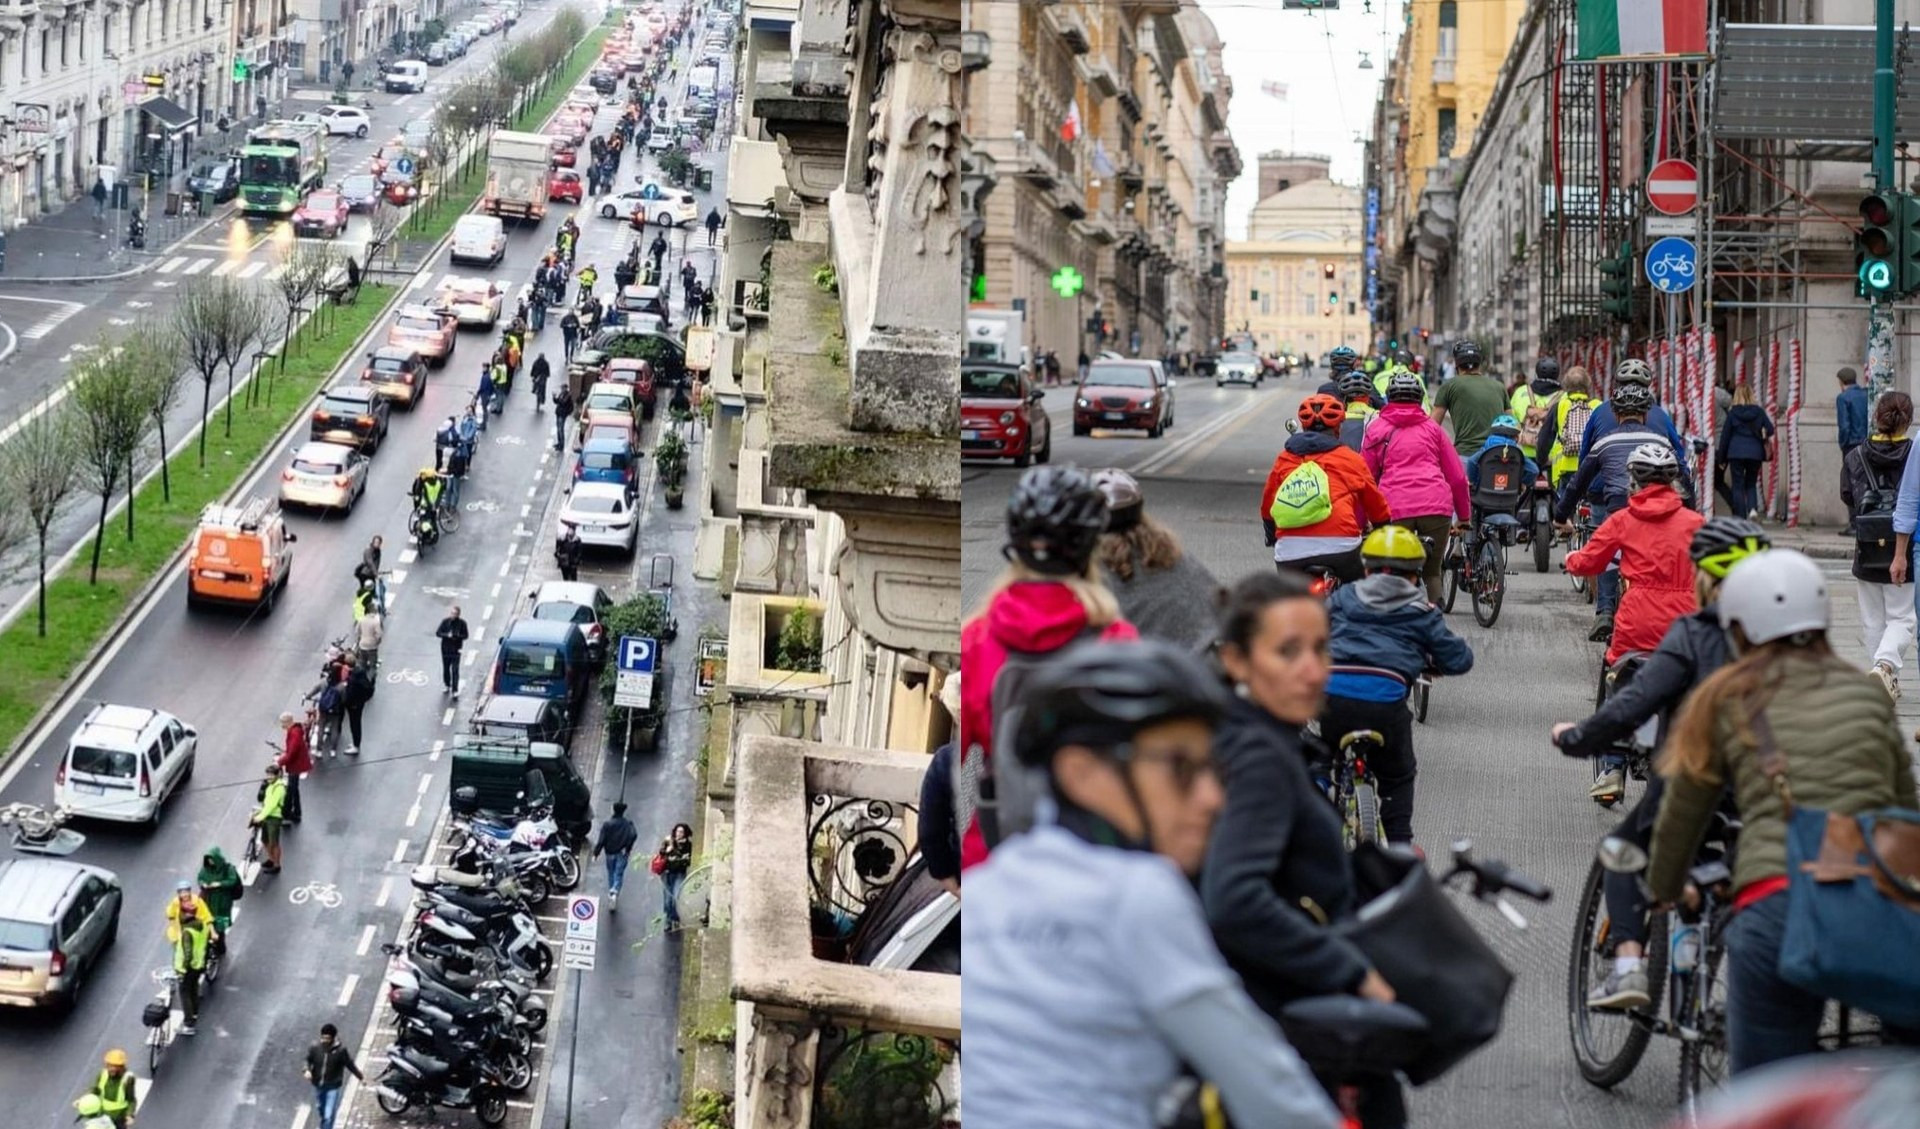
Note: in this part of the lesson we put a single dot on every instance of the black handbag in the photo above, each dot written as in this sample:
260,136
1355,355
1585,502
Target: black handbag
1434,958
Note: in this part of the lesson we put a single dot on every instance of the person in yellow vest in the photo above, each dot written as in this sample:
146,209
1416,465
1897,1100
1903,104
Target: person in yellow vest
190,963
1551,450
88,1113
113,1091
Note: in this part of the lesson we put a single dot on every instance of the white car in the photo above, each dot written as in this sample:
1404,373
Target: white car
123,762
603,515
325,476
668,207
345,121
575,601
478,239
1237,368
473,301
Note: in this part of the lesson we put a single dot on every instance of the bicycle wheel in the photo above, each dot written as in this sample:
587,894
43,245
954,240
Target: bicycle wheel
449,519
1703,1008
1542,546
1453,588
1366,814
1489,583
1421,689
1608,1045
156,1042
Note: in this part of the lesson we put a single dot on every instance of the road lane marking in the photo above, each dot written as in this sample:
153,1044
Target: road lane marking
408,556
526,509
171,265
251,269
386,891
495,593
366,942
49,321
224,268
447,717
1152,463
467,659
487,613
299,1115
506,565
437,747
400,850
197,266
346,990
1193,455
426,782
479,632
413,817
397,576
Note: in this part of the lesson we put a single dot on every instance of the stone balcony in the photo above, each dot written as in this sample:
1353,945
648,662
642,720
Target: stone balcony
822,832
809,123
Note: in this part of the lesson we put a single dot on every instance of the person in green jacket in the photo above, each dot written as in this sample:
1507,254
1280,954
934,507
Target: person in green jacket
270,815
1840,751
190,962
220,887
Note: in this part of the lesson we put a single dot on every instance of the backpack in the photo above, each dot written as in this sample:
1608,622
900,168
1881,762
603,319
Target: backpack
1498,479
1574,428
1873,530
999,790
333,699
1305,497
1535,420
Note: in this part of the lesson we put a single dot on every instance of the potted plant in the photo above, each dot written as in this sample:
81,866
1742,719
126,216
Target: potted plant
676,162
670,459
645,615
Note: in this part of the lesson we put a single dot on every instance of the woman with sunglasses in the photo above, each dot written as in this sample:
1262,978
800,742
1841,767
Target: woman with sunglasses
1091,977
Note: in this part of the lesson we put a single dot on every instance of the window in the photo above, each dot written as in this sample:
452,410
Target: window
46,41
1444,131
1449,29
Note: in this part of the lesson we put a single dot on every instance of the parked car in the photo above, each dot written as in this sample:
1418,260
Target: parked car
635,373
564,152
607,459
58,918
323,212
565,186
543,659
1001,415
353,414
624,430
603,514
617,401
123,762
1238,368
579,603
438,53
361,191
397,373
1124,395
426,331
324,476
345,121
473,301
522,717
218,177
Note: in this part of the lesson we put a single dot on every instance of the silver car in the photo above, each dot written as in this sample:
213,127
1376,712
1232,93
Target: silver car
57,919
1237,368
327,476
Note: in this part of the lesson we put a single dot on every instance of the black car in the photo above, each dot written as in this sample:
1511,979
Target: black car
361,191
218,177
354,414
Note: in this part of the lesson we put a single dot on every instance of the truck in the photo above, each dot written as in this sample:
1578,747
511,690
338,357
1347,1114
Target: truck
517,165
280,163
996,335
702,80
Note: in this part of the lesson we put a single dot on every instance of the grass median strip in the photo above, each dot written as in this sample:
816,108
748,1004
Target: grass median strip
79,615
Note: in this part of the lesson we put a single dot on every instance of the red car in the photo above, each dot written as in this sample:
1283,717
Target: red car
1001,416
563,153
1128,394
323,212
637,373
565,186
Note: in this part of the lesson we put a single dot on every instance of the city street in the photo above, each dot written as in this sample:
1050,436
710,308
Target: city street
1487,771
305,946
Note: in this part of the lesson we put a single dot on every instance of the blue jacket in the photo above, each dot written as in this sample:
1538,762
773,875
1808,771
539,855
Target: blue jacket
1384,635
1473,462
1603,471
1602,421
1745,433
1851,409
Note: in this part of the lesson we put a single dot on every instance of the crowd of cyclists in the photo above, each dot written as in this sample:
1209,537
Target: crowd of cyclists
1140,813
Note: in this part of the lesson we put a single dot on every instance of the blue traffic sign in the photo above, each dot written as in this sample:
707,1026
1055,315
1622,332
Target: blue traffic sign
637,654
403,166
1671,265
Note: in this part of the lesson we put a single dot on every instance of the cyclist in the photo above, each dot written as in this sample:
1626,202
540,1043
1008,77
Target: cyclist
1606,418
1049,597
1320,498
190,941
1499,476
428,486
114,1090
1533,404
587,277
1787,725
185,906
1157,583
1472,397
1693,648
1277,847
1384,637
1356,391
1417,468
1558,447
89,1112
1098,1039
220,887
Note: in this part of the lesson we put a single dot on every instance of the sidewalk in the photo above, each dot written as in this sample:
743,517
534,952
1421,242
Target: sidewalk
70,245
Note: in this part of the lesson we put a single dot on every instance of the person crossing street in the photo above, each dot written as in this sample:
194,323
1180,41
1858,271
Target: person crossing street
616,840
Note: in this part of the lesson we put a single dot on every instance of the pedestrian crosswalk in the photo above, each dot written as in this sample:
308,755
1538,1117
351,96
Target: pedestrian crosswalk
52,313
219,267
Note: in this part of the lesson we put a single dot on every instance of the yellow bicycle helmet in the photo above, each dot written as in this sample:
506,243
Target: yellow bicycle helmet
116,1057
89,1105
1393,547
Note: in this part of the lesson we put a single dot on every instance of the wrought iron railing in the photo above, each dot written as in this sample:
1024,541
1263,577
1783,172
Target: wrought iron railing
884,1080
857,849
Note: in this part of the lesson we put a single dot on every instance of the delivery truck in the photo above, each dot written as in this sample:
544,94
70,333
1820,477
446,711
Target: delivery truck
517,165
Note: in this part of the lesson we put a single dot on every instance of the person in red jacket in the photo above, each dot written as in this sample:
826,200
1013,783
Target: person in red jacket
1048,598
295,760
1321,513
1651,535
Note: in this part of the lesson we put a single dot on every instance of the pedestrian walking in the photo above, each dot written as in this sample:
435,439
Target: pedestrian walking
562,408
658,251
359,692
617,837
671,862
570,333
1084,363
1884,497
190,942
328,1064
706,305
269,815
367,637
566,551
368,571
692,298
296,760
1850,409
713,226
452,634
99,195
1747,441
484,394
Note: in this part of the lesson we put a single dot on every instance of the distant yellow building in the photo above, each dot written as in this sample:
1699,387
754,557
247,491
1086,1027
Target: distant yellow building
1297,283
1454,53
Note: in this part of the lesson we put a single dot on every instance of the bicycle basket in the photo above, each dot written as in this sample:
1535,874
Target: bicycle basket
154,1014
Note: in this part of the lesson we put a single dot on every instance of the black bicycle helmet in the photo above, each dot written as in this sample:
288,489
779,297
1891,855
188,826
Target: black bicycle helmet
1631,400
1342,359
1054,519
1467,355
1405,388
1546,370
1723,542
1101,695
1355,385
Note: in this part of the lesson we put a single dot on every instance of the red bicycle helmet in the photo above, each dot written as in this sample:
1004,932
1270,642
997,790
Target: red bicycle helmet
1322,413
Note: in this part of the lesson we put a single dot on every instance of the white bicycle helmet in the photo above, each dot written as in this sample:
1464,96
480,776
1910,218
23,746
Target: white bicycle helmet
1773,595
1653,462
1405,388
1633,370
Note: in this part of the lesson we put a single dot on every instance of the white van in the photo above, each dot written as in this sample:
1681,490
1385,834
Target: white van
123,762
478,239
408,76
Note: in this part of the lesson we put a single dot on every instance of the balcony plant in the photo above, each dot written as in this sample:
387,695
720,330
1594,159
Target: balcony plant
797,646
670,459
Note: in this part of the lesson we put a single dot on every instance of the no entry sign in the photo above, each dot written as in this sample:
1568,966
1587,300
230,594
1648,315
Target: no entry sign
1673,187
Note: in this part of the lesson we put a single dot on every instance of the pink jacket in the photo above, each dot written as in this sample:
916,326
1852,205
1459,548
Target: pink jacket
1415,464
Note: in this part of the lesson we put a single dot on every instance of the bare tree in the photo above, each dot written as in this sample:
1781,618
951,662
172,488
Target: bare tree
160,375
110,411
382,226
306,270
247,328
39,469
202,322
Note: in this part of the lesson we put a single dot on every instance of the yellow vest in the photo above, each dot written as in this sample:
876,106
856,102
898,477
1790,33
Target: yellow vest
115,1094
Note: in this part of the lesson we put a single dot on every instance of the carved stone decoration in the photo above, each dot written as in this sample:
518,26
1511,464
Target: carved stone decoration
779,1075
923,137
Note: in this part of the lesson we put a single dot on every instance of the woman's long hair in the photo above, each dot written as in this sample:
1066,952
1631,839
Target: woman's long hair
1145,544
1749,683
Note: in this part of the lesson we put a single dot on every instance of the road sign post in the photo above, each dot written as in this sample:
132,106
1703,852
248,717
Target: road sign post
583,937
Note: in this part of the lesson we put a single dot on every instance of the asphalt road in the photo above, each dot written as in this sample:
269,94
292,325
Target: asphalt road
1487,772
292,966
54,326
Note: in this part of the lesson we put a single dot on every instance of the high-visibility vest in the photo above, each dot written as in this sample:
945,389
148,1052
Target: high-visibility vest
116,1094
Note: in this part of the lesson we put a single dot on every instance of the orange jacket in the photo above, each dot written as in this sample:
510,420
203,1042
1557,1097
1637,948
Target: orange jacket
1357,500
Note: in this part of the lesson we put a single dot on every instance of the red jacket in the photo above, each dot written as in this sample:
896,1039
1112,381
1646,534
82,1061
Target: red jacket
296,759
1032,617
1357,501
1651,535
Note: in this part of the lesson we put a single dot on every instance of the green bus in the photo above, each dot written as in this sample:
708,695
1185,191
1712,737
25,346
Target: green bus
280,163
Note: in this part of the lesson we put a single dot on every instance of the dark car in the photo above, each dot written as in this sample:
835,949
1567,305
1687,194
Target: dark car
1124,395
361,191
604,79
397,374
1001,415
353,414
218,177
669,357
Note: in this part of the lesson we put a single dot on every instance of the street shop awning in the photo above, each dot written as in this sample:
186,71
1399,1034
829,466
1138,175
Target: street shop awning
172,116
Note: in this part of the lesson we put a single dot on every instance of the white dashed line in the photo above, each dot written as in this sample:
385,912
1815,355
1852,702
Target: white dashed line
447,717
438,745
495,593
488,613
400,850
171,265
366,942
251,269
426,782
526,509
408,556
299,1115
386,891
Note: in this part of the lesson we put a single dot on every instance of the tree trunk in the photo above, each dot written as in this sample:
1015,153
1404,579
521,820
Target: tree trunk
100,533
229,401
206,398
166,480
130,482
43,580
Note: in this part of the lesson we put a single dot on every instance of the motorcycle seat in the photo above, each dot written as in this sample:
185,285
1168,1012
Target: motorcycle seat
426,877
429,1067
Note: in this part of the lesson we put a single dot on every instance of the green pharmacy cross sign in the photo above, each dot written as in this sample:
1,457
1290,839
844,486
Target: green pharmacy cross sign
1068,282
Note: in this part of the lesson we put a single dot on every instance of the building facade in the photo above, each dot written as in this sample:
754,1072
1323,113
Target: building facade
1297,281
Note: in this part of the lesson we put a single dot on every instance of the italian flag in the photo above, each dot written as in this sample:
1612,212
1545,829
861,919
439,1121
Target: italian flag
1611,29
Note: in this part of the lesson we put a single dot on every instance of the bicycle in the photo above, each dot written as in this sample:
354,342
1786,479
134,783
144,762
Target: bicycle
448,512
158,1017
1478,563
1583,527
1638,749
1354,791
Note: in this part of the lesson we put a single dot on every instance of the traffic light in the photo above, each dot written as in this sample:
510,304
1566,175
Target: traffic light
1909,272
1616,282
1877,251
1326,270
1333,298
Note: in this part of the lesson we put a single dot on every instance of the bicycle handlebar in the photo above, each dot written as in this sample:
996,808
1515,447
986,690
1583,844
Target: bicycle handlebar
1493,877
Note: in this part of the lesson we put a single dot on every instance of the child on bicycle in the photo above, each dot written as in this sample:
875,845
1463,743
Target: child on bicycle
1385,635
1499,477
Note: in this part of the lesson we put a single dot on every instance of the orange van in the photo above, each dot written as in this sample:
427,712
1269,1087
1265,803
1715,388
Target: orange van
241,555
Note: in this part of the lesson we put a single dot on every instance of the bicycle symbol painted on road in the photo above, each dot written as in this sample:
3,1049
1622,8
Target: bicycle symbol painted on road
323,892
483,505
415,677
447,593
510,440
